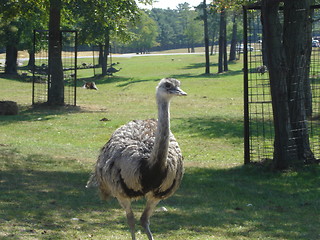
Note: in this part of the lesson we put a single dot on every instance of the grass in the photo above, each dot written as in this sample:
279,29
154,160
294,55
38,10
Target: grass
46,156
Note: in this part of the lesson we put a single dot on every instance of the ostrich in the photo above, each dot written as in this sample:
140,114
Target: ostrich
112,70
142,159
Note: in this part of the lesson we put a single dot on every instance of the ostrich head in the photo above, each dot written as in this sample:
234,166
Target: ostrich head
168,88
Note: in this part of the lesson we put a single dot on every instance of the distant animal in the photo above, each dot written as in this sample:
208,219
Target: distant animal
142,159
90,85
112,70
44,66
262,69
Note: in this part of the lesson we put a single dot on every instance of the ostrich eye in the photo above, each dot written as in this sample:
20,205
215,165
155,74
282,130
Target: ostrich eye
167,85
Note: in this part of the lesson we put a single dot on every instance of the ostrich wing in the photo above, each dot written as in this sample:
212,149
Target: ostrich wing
118,169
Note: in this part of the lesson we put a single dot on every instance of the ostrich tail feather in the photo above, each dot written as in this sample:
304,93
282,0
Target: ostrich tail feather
104,189
92,182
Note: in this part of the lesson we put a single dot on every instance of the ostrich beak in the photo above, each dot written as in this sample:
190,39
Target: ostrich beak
179,92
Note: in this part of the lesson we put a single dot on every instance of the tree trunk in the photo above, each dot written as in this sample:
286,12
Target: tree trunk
56,84
32,59
225,44
192,47
104,61
105,55
11,59
212,46
277,73
206,37
221,43
297,41
287,62
233,55
100,54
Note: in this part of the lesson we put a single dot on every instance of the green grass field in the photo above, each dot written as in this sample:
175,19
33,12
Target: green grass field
47,154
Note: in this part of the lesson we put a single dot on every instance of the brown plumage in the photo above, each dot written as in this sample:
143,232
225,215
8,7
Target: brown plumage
142,159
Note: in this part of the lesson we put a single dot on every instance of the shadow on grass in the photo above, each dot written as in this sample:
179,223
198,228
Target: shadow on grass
203,65
217,127
37,195
41,112
209,76
249,203
210,127
14,77
122,81
102,80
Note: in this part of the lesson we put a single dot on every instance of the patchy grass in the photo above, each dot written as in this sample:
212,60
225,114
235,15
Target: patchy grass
46,156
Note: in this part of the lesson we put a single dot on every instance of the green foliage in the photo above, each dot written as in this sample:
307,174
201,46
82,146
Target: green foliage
95,18
170,30
178,28
91,17
231,4
17,21
146,31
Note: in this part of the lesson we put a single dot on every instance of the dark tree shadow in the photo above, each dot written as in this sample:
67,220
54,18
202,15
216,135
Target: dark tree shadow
264,204
40,112
218,127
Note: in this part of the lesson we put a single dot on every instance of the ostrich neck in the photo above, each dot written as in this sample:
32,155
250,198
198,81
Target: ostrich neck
160,150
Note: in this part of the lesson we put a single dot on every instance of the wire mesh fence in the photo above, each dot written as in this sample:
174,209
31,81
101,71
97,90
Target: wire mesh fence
259,127
97,69
41,77
69,63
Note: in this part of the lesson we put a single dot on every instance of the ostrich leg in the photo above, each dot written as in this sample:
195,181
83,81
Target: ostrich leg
150,206
126,204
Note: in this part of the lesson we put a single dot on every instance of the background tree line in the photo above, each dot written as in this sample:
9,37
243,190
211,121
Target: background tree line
121,23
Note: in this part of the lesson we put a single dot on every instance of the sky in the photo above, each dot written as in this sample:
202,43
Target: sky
172,3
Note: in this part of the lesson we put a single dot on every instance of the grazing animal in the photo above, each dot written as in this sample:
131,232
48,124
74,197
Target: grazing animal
262,69
112,70
90,85
142,159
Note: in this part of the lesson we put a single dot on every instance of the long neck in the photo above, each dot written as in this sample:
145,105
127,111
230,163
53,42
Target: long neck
160,150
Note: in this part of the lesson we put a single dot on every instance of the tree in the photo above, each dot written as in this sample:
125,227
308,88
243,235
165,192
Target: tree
192,30
146,31
222,58
213,23
110,20
233,55
206,36
12,35
288,49
56,84
170,31
17,20
9,34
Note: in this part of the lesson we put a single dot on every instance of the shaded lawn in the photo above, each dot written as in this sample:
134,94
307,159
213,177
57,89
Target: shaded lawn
42,197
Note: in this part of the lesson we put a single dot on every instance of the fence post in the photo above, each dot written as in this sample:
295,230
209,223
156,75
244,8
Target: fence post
245,89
